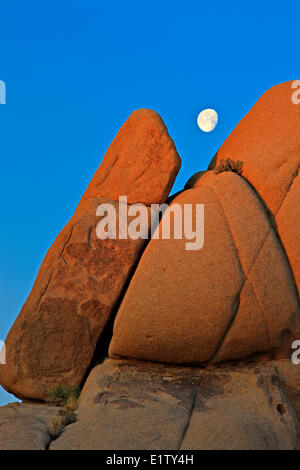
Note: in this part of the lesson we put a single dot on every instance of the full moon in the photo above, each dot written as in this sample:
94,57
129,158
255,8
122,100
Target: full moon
207,120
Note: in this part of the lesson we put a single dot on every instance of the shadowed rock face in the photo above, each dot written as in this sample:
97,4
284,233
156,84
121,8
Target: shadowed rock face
230,300
26,426
267,140
193,179
81,278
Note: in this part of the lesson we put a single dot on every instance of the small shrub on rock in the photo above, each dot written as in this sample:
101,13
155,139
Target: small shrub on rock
229,165
60,396
67,399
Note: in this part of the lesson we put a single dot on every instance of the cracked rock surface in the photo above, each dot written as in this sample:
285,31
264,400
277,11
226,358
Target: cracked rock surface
26,426
141,405
232,299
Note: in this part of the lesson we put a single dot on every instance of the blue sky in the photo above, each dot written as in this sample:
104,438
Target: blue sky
75,70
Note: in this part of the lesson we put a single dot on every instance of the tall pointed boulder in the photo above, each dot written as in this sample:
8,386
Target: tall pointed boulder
82,277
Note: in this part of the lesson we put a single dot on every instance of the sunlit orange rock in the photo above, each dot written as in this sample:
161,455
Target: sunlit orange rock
141,163
232,299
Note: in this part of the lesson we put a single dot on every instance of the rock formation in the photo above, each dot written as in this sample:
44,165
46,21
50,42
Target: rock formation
81,278
267,140
132,405
233,298
201,345
136,405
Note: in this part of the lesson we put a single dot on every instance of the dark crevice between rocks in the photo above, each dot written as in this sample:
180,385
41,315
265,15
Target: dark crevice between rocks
190,413
101,350
65,420
51,439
